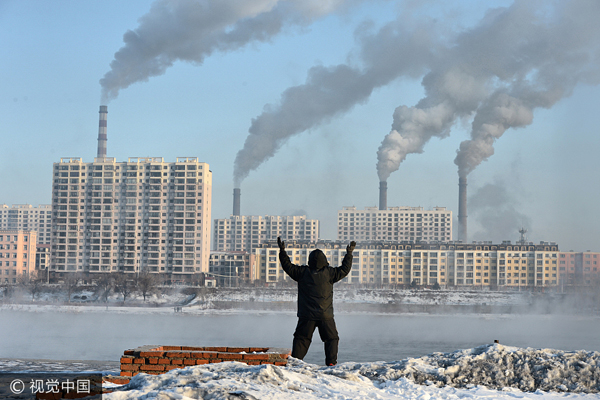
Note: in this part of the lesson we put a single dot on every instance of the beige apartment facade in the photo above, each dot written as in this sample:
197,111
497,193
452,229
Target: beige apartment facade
28,217
246,232
231,268
477,265
395,224
143,214
17,254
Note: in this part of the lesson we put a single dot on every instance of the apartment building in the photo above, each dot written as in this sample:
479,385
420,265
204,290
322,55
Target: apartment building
28,217
17,254
482,265
579,268
245,232
231,268
395,224
42,261
140,214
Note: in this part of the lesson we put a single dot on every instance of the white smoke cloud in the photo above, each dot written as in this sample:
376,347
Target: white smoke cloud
191,30
496,211
519,58
331,91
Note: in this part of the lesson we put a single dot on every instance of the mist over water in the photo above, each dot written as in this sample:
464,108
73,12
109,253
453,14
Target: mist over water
363,337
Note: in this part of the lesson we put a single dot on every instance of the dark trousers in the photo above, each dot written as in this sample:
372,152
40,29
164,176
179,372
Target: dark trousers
303,337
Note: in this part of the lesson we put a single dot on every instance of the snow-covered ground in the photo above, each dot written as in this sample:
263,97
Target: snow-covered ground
487,372
170,296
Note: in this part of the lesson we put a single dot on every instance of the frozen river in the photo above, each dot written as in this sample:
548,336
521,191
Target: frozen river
363,337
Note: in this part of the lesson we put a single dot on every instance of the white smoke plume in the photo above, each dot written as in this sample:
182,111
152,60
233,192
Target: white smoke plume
331,91
553,51
496,211
191,30
518,58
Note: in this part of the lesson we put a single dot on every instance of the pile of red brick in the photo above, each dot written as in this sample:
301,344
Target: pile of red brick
160,359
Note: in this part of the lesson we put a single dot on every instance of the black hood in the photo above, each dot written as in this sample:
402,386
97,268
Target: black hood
317,260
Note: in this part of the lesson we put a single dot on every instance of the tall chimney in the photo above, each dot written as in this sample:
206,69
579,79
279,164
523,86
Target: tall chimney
102,132
383,195
462,209
237,194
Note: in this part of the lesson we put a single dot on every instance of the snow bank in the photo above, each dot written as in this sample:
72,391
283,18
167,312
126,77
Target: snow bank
495,366
474,373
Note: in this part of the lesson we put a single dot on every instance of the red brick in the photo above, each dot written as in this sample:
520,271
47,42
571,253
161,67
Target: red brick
117,380
177,361
128,352
152,368
258,349
130,367
164,361
230,356
152,360
188,348
253,362
214,360
171,367
126,373
215,348
170,348
126,360
177,354
256,356
200,362
199,354
152,353
189,361
280,362
139,361
237,349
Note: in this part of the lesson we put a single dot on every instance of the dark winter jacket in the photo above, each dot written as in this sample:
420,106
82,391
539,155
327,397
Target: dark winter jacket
315,283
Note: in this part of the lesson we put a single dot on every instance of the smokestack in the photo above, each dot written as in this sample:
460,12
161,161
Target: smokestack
102,132
237,194
462,209
383,195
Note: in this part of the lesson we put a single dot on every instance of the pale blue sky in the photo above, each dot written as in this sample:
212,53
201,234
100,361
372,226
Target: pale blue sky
53,54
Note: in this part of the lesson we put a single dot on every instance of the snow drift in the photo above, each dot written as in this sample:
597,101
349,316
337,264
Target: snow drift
491,371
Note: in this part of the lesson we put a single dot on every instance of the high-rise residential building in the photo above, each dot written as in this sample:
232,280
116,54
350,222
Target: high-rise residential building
28,217
480,264
143,214
231,268
246,232
395,224
17,254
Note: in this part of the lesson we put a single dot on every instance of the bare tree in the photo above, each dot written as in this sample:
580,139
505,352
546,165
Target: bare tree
31,283
104,285
124,285
7,290
70,283
146,283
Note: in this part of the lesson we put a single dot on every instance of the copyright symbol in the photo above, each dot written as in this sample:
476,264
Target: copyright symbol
17,386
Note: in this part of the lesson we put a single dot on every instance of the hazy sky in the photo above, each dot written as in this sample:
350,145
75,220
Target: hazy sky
316,86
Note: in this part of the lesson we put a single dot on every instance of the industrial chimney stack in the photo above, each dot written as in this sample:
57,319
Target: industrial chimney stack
462,209
383,195
237,194
102,132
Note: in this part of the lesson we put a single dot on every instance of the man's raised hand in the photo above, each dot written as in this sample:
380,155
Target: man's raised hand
280,243
350,247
